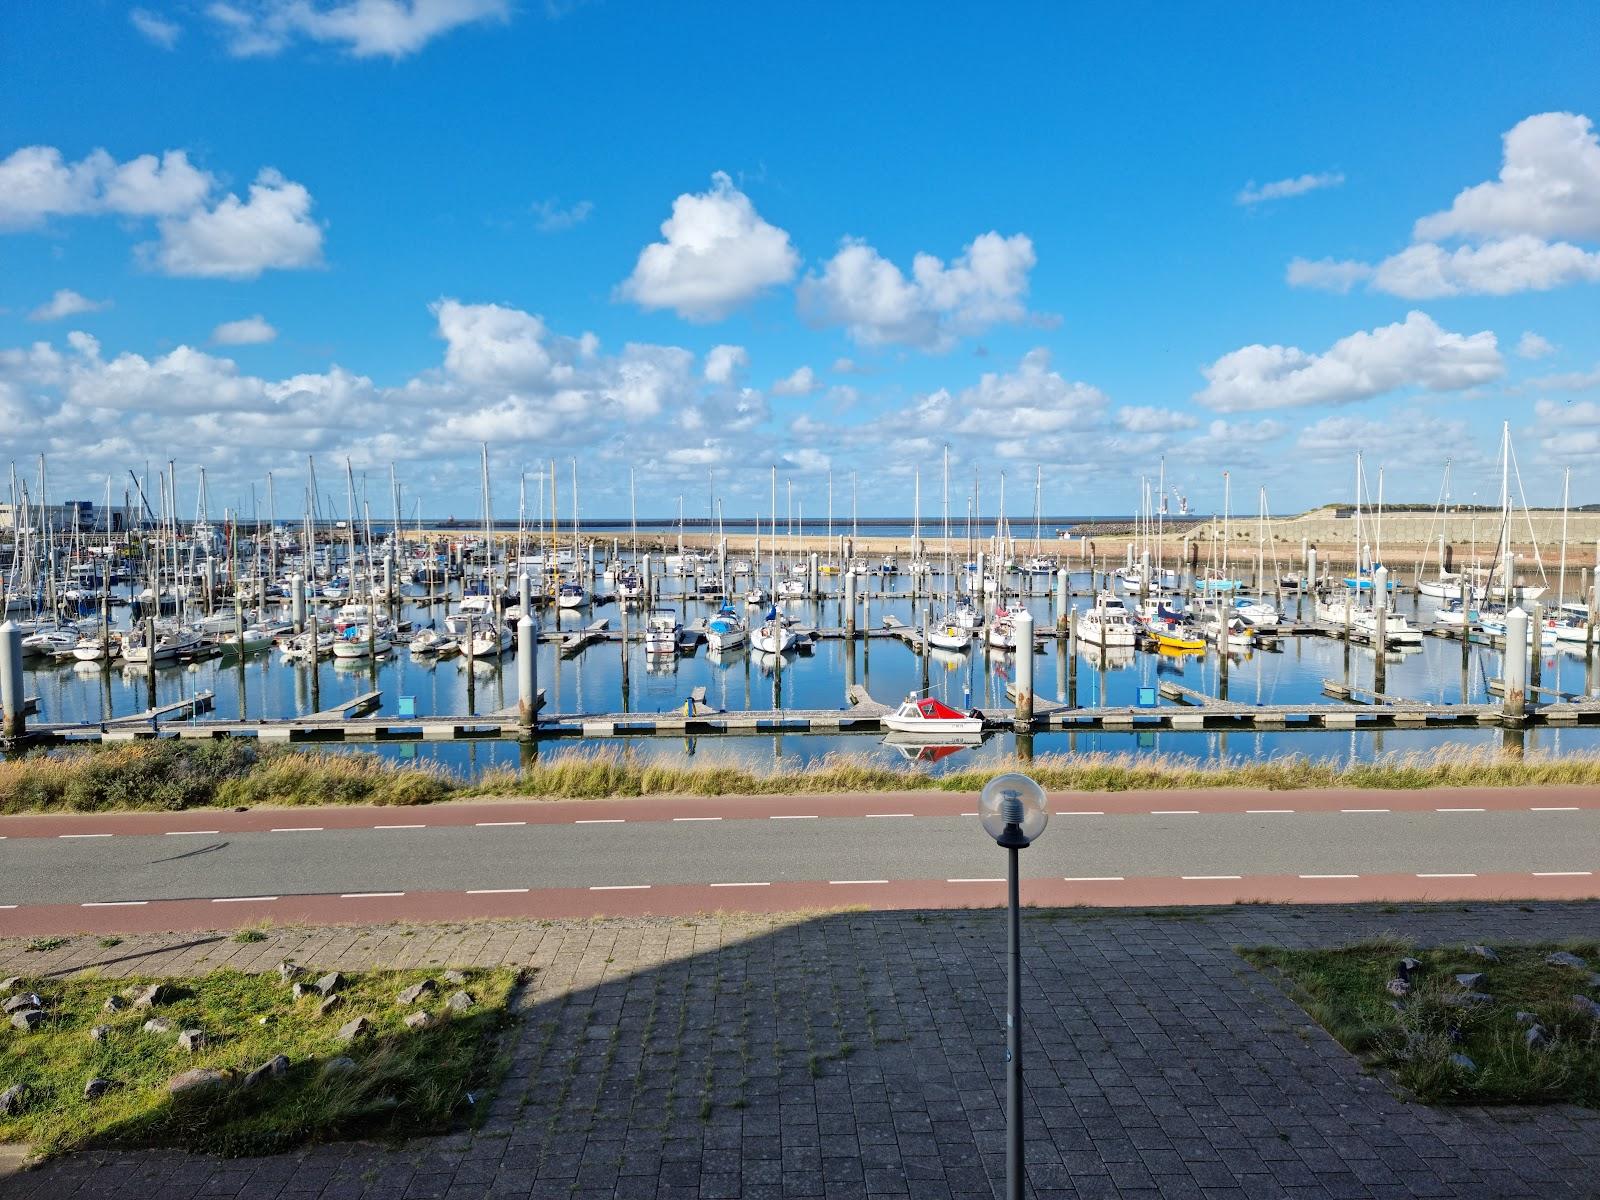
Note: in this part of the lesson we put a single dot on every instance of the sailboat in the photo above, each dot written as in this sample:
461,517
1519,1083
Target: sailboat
726,630
952,629
773,635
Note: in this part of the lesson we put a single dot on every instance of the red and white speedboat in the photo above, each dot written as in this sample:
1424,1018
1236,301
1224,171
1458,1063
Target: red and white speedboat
925,715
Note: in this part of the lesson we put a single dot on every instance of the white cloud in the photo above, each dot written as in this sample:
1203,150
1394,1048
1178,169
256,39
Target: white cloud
156,28
1282,189
1533,345
1549,186
1409,440
723,363
802,382
362,28
67,303
37,183
1327,274
1571,381
550,217
718,254
1145,419
238,239
1496,268
1413,353
878,305
247,331
1549,189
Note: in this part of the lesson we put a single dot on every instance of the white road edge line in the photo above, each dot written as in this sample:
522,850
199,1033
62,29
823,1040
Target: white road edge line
1330,877
890,814
368,895
697,818
82,835
1554,808
1459,810
1077,812
1174,812
601,821
113,903
399,826
7,906
852,882
191,832
1555,874
495,891
793,817
1093,878
495,824
1363,810
620,887
1261,812
297,829
974,880
762,883
1447,874
241,899
1203,878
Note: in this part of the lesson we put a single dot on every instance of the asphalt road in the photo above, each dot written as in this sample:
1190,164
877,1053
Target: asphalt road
303,859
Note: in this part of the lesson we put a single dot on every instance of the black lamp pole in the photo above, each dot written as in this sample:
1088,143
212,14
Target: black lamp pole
1013,841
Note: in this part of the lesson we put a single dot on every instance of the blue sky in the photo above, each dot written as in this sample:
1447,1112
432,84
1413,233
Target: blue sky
1250,240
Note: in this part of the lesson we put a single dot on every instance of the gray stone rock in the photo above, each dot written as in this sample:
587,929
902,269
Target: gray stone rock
330,983
418,1020
1583,1004
273,1068
27,1019
339,1066
1462,1062
158,1025
1463,999
416,992
1535,1038
192,1040
25,1000
303,989
460,1002
153,996
13,1099
329,1003
96,1087
1527,1018
10,983
99,1033
1398,987
1562,959
114,1004
454,977
196,1079
289,970
1407,965
357,1028
1484,953
1471,980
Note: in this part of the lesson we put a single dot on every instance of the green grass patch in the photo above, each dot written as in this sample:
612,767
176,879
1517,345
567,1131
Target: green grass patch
175,775
1417,1036
406,1082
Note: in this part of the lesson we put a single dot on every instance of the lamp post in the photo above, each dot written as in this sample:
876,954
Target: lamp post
1012,810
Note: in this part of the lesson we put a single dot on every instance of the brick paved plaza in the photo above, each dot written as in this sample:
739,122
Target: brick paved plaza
856,1054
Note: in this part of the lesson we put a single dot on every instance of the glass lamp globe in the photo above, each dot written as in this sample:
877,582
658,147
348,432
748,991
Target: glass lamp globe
1012,809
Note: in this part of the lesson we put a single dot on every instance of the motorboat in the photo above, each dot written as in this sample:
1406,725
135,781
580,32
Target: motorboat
629,586
1108,623
170,645
926,716
1397,630
366,640
95,649
251,640
571,595
1255,612
726,630
48,643
661,631
792,589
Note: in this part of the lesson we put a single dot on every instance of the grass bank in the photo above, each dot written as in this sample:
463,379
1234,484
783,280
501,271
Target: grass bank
405,1081
1452,1042
173,775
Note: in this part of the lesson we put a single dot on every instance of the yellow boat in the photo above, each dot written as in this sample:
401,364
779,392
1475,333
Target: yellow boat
1178,643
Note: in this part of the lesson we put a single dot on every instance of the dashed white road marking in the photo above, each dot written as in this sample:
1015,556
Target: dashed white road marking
852,882
1203,878
113,903
793,817
1261,812
1558,874
399,826
192,832
1363,810
891,814
762,883
495,891
1555,808
974,880
494,824
1174,812
368,895
82,835
620,887
602,821
1094,878
1330,877
1447,874
242,899
7,906
697,818
1458,810
296,829
1077,812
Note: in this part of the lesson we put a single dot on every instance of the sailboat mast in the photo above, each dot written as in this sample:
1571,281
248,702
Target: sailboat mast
1561,575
